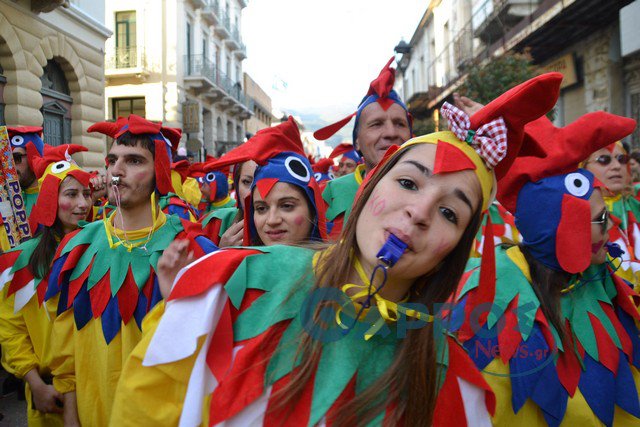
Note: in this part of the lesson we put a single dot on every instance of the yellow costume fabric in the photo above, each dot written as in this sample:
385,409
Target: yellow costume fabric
83,362
26,344
578,412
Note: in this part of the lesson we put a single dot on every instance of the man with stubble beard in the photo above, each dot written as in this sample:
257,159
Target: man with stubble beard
382,120
105,273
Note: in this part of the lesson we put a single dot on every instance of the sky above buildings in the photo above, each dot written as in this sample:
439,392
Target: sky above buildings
317,57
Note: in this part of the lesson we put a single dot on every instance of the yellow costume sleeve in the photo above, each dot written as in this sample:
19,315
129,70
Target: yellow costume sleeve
63,353
18,355
151,395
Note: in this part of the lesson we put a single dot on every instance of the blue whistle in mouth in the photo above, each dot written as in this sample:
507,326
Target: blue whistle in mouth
614,250
391,251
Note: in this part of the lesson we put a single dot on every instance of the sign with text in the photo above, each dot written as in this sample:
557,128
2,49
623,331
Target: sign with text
567,66
12,208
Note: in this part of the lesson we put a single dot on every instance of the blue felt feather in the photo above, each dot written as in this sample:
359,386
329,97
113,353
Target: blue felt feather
630,327
626,391
82,307
597,385
111,320
206,245
526,367
52,285
550,395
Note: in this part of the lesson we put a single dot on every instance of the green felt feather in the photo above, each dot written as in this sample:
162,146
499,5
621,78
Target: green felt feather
284,293
584,299
510,282
119,259
26,249
339,195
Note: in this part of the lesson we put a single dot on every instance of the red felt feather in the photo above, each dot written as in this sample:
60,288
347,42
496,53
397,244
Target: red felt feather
127,297
245,382
250,296
573,238
625,340
509,337
607,351
100,295
20,279
328,131
568,366
217,268
76,284
281,416
220,352
626,298
345,397
8,259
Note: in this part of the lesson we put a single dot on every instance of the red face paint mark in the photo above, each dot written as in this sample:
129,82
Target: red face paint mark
66,206
376,205
299,220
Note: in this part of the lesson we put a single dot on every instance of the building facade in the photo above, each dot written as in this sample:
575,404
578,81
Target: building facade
595,44
179,62
260,104
52,70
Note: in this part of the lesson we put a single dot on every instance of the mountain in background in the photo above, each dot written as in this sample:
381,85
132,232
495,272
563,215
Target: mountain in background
313,121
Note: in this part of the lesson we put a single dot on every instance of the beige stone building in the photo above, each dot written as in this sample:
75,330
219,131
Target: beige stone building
260,104
180,62
594,43
51,70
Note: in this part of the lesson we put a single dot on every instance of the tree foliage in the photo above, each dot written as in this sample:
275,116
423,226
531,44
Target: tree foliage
486,82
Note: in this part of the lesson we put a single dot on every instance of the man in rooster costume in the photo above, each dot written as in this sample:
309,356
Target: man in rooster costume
381,120
105,273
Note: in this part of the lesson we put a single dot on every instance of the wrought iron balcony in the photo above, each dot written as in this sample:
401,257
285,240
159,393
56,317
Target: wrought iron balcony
493,18
223,29
126,61
202,76
211,12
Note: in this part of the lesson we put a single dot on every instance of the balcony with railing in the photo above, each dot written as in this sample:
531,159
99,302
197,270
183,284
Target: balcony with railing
126,61
198,3
223,29
202,76
211,12
493,18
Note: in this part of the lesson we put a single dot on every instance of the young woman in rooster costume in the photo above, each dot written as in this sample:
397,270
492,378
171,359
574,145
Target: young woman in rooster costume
285,335
547,321
25,320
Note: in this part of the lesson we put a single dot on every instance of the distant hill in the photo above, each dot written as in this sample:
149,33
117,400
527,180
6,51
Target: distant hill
314,121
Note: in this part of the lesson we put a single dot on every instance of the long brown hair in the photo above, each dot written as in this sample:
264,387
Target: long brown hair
411,380
547,284
40,260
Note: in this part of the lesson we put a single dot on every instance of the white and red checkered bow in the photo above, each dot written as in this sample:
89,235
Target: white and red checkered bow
489,140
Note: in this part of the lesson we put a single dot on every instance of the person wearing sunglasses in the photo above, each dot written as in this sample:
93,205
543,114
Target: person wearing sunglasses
26,144
611,166
552,326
